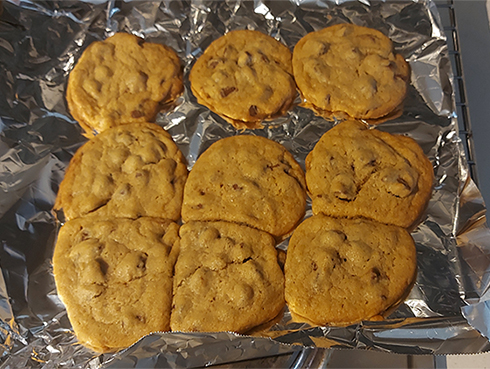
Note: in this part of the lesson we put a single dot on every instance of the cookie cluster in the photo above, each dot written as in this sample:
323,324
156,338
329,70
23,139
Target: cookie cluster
354,258
125,268
343,71
114,258
243,194
122,194
350,71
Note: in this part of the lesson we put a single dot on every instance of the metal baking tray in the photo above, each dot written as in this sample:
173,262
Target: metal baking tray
38,138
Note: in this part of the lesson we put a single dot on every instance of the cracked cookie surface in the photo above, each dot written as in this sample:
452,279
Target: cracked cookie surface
245,76
249,180
234,284
128,171
341,271
350,69
115,278
354,171
120,80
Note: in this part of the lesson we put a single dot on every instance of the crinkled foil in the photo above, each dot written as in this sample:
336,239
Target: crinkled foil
448,309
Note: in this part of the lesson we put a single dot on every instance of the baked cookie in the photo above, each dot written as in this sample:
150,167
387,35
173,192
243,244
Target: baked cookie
245,76
115,278
128,171
341,271
234,284
350,69
122,79
354,171
249,180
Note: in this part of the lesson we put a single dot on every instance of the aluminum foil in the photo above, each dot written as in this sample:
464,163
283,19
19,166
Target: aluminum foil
448,309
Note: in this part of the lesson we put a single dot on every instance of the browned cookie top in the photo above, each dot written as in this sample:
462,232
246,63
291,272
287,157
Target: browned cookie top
354,171
246,77
341,271
115,278
227,278
249,180
125,172
350,69
122,79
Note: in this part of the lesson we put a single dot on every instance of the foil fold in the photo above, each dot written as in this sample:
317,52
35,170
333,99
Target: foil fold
448,309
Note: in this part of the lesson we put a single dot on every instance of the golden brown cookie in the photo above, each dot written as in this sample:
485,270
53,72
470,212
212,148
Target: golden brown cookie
354,171
115,278
245,76
227,278
120,80
350,69
341,271
249,180
128,171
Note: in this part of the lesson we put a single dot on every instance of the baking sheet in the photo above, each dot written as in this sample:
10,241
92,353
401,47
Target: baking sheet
39,44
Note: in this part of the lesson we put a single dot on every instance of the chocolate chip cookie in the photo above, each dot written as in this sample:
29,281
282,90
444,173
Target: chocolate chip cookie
349,69
342,271
354,171
245,76
115,278
125,172
122,79
227,278
249,180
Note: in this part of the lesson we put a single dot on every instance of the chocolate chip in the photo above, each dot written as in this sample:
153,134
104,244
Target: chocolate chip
264,57
142,262
340,234
102,265
327,101
374,84
325,48
272,166
404,183
249,58
253,110
227,90
137,114
213,63
144,77
229,49
375,275
314,266
371,37
85,235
